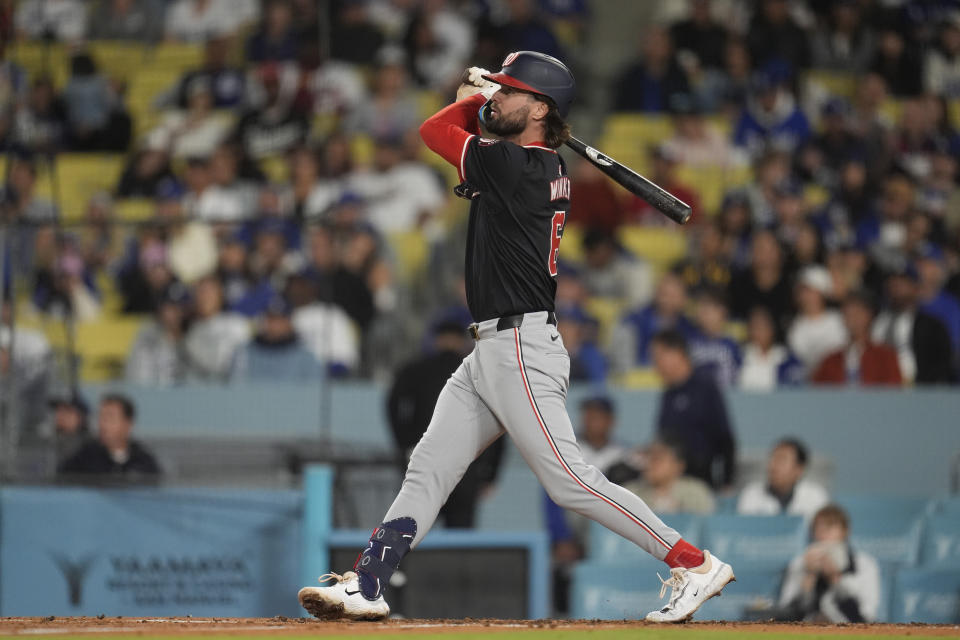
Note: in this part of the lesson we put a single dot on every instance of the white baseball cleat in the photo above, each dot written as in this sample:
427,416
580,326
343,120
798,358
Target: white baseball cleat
342,599
691,588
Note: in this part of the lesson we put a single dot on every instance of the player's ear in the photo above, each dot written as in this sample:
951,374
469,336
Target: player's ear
540,110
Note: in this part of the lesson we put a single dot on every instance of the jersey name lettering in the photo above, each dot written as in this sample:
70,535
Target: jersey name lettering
560,189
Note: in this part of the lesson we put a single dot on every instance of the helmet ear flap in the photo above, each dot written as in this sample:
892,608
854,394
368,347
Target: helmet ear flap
484,110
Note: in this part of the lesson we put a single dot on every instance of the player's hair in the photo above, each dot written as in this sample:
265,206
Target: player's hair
126,404
556,131
832,514
799,449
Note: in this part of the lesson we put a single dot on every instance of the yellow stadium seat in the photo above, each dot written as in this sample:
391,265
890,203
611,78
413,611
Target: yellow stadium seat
173,57
571,247
627,137
815,196
428,103
712,183
82,175
119,60
134,209
836,83
411,250
38,58
607,312
954,112
661,247
892,108
639,379
103,345
276,168
361,147
142,90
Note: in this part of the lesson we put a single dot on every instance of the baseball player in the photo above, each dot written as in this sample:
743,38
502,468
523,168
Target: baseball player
515,380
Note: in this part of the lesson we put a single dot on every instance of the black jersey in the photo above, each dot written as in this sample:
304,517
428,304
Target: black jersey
516,223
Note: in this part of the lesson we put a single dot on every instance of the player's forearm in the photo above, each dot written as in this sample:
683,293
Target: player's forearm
447,131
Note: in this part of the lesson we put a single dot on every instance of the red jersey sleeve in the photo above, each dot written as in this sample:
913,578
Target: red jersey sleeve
449,131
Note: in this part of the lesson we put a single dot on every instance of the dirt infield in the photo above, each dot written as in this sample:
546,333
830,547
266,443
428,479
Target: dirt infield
157,627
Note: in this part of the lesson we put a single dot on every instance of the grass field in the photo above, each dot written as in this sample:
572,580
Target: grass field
203,629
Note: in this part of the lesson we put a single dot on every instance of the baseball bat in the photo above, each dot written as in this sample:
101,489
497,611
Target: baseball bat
661,199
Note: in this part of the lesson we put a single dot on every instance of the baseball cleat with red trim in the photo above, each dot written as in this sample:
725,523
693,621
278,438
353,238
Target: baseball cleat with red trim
691,588
342,600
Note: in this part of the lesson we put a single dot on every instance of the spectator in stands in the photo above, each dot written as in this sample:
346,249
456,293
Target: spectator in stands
808,249
940,191
139,21
19,194
593,199
272,125
401,193
391,110
518,27
312,194
707,265
334,88
871,125
696,142
39,121
276,39
214,335
774,35
335,283
413,394
823,156
767,363
701,35
664,172
64,285
942,65
438,43
851,203
665,487
885,234
735,220
226,81
765,283
934,299
233,184
831,581
276,353
898,64
631,344
921,341
816,330
711,347
70,424
158,356
197,130
579,333
651,83
772,169
354,38
144,274
96,119
26,369
726,89
60,20
208,202
200,20
862,361
325,328
113,452
693,411
844,43
147,168
785,489
771,117
789,211
242,292
609,271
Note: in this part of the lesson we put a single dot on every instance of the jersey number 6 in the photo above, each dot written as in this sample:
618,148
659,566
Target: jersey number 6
556,232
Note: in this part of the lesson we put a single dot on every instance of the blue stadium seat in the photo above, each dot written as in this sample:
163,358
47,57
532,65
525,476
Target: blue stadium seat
618,591
889,539
941,541
606,546
771,540
926,595
869,506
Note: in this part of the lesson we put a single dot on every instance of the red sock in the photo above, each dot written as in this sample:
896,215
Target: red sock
684,555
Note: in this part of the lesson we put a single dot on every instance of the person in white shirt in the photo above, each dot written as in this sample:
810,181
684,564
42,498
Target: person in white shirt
325,328
831,581
64,19
817,330
214,335
199,20
785,490
763,357
198,129
942,64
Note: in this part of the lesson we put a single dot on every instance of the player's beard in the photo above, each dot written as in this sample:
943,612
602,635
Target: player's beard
505,125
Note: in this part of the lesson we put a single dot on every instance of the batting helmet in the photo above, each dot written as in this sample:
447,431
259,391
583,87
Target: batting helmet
538,73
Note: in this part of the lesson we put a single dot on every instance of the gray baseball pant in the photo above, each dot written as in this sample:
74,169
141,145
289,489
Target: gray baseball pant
516,381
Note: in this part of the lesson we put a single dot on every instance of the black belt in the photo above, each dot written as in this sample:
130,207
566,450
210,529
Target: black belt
511,322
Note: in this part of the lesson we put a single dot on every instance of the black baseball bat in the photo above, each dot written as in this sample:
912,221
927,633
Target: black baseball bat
661,199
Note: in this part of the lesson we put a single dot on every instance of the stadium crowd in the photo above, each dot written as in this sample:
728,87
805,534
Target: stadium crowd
244,276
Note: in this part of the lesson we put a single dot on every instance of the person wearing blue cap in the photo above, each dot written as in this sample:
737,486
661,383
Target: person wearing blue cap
771,117
276,353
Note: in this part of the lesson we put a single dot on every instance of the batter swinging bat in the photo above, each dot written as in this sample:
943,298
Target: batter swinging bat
661,199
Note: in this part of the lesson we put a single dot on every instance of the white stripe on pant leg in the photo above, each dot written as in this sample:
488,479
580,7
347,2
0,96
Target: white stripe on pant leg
563,463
